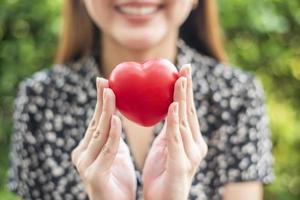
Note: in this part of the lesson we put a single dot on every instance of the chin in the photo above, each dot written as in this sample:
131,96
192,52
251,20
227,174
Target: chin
140,39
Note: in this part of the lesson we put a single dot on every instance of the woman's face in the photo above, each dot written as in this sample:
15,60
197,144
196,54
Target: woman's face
138,24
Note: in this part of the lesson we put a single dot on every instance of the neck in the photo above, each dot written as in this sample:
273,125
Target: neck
112,53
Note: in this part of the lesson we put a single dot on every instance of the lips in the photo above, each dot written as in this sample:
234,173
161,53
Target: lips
142,10
135,8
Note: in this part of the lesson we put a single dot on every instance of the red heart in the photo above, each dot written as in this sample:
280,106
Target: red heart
144,91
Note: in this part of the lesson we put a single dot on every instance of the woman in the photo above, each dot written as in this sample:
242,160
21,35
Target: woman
55,115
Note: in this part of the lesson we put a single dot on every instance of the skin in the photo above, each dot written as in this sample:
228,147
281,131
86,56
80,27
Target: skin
178,150
102,158
245,191
137,42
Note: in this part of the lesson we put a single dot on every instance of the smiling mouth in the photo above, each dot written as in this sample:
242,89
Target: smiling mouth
139,9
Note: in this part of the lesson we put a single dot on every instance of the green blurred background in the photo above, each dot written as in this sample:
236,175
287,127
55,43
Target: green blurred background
263,36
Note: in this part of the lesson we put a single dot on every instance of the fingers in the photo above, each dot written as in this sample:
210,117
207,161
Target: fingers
180,96
161,139
100,85
101,133
174,144
192,117
110,149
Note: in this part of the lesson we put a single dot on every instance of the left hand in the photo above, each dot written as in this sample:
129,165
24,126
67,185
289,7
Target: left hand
178,150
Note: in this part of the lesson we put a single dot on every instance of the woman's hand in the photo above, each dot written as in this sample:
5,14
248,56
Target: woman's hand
178,150
102,158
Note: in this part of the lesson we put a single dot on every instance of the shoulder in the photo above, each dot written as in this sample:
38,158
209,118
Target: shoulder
212,76
222,87
51,82
60,93
224,80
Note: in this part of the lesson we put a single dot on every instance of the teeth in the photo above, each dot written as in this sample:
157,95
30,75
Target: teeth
138,10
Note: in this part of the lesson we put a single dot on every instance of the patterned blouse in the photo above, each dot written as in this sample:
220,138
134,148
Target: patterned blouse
53,109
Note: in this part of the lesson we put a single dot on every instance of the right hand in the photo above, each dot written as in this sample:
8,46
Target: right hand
102,158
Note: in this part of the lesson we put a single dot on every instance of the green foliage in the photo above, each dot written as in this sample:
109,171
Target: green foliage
262,37
28,37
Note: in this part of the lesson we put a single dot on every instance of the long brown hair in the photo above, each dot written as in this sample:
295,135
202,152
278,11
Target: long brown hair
79,35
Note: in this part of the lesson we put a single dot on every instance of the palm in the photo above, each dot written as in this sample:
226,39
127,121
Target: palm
156,175
121,181
177,152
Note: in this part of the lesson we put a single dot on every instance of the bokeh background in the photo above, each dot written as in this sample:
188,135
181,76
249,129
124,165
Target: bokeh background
262,36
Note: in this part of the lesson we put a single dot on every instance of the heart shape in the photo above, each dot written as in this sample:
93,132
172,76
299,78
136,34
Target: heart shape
144,91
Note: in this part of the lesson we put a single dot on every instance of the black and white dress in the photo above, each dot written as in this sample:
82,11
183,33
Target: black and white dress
53,109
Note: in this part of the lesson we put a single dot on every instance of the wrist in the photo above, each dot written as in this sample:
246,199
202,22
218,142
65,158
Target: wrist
177,193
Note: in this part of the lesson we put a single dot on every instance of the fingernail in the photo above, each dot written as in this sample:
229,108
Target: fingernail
98,79
97,82
189,70
175,108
